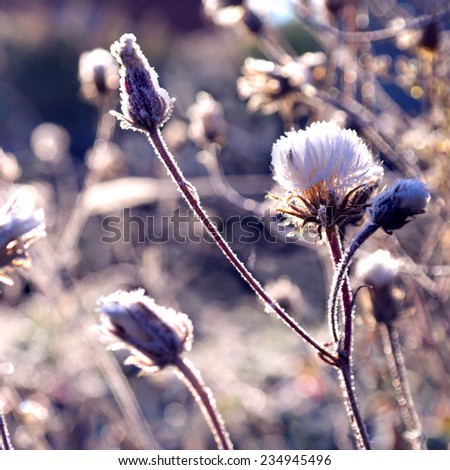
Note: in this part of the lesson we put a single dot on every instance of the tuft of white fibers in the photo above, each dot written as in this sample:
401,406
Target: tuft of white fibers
323,152
378,269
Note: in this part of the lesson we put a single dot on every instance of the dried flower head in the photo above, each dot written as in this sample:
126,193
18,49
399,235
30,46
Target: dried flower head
20,226
380,270
270,87
155,335
395,207
206,121
326,175
231,13
145,105
98,74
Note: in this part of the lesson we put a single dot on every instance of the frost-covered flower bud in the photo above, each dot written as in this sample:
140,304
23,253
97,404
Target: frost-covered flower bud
392,209
20,226
327,174
155,335
145,105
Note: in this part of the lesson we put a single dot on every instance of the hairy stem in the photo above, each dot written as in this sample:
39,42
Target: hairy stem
339,282
191,197
204,397
396,363
345,367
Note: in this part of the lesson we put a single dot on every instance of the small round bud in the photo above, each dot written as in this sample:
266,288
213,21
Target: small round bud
393,208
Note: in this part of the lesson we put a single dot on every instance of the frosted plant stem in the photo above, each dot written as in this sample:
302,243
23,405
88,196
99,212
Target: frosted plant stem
394,357
340,280
206,401
5,440
191,197
347,383
345,367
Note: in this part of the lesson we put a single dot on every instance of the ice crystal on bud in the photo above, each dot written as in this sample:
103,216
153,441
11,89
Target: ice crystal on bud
155,335
393,208
20,226
145,105
326,174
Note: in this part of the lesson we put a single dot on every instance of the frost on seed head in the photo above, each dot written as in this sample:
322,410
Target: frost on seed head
145,105
327,174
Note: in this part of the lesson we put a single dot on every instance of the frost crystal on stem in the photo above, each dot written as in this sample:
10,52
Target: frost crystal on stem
145,105
326,174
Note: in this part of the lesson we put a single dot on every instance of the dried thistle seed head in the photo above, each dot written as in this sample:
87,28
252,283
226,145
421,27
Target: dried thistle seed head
326,174
145,105
395,207
270,88
206,121
98,74
380,270
155,335
20,226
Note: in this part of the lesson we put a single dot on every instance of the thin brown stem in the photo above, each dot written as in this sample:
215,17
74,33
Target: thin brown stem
204,397
396,363
191,197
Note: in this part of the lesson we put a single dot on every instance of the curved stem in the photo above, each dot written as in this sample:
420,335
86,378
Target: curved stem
204,397
341,289
396,363
338,284
191,197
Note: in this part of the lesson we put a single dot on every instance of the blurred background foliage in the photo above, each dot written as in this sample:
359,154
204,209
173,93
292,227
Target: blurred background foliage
59,388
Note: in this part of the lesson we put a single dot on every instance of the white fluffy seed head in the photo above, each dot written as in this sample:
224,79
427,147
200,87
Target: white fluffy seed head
323,152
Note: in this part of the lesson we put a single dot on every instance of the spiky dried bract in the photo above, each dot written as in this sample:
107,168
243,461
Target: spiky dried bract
155,335
395,207
326,174
145,105
20,226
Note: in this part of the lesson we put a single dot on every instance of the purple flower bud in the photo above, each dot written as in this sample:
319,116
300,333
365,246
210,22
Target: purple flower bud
145,105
